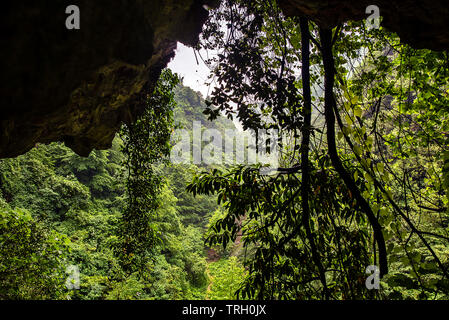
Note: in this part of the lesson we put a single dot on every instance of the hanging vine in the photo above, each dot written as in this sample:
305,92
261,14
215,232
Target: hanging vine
145,142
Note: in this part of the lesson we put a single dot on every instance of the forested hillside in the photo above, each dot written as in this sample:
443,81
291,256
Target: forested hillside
59,209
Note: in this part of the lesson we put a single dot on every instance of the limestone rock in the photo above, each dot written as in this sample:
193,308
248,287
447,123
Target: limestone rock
420,23
78,86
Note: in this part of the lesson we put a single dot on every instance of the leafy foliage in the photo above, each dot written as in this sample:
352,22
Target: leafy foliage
371,191
226,275
32,263
85,207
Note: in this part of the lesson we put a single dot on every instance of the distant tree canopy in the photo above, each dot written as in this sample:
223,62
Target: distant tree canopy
32,258
363,177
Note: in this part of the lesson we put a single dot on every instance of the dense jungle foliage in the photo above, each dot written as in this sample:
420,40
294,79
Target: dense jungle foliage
59,210
363,180
362,183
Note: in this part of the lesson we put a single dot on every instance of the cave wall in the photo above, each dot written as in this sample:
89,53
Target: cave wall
420,23
78,86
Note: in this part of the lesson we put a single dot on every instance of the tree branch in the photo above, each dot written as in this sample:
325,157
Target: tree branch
329,98
307,114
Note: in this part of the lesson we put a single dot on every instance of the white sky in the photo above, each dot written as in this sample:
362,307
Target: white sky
194,74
